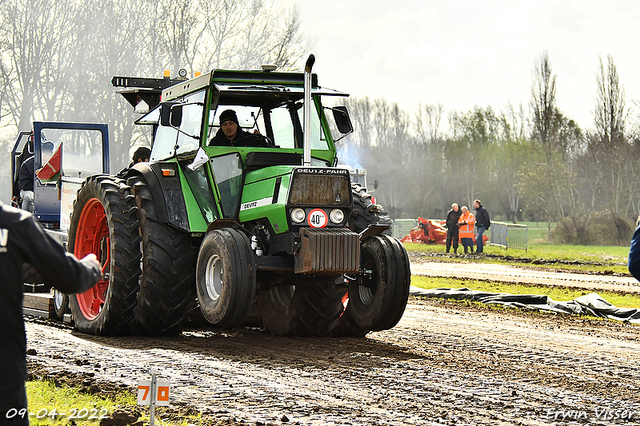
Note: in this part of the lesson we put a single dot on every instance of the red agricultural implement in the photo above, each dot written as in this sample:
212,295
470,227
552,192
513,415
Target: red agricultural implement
430,231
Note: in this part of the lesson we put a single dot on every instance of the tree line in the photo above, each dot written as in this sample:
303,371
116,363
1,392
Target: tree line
57,57
533,164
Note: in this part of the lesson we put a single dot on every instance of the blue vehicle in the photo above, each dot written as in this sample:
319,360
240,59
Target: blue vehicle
75,152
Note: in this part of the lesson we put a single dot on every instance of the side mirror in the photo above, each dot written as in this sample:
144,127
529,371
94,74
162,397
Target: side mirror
375,184
171,114
342,120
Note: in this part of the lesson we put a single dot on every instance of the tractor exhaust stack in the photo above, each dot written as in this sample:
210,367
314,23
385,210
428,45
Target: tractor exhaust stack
306,156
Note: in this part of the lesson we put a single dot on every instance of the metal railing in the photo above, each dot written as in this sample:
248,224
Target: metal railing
402,227
509,235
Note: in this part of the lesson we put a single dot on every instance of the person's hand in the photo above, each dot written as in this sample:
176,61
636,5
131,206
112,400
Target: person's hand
92,261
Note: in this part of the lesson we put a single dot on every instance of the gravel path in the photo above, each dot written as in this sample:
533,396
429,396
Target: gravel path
516,274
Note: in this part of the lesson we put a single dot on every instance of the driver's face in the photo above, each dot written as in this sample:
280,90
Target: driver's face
230,129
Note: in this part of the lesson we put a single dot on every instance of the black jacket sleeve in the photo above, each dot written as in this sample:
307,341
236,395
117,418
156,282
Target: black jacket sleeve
56,267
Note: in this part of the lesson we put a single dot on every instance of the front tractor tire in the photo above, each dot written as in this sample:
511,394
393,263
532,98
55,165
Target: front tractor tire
105,222
310,310
378,297
167,283
60,304
225,277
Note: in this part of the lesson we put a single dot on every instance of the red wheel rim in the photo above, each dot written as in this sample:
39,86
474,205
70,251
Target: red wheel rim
92,236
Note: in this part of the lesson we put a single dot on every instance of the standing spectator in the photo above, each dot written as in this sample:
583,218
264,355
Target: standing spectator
452,227
483,222
22,240
466,222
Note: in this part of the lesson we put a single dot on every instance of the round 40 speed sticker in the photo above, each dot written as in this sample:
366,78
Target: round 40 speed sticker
318,218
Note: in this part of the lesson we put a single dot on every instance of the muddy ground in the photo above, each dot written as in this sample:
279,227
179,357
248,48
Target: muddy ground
443,364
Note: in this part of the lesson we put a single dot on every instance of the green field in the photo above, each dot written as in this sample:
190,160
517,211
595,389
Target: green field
538,232
591,254
47,400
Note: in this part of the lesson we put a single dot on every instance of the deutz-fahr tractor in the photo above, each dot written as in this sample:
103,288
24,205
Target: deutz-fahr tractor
233,230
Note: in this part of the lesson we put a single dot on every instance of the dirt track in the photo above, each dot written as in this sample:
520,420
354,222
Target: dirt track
443,364
517,274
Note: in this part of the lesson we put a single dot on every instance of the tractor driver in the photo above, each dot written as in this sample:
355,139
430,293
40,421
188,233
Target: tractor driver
231,134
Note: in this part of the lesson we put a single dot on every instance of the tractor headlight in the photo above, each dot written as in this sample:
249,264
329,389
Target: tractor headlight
336,216
298,215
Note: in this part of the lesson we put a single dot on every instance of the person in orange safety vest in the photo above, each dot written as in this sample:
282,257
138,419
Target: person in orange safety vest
466,222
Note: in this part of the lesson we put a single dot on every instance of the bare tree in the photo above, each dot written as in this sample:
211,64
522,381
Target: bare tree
546,123
543,101
34,32
428,120
610,114
610,148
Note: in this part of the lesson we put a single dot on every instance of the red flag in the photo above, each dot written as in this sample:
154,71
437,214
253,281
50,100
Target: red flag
51,169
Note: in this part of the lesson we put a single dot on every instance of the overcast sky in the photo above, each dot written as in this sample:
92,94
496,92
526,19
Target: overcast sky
463,53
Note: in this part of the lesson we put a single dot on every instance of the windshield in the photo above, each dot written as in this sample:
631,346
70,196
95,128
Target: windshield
281,124
185,138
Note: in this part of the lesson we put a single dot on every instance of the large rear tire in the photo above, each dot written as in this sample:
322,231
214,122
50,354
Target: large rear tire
365,212
167,284
377,298
225,277
105,222
303,310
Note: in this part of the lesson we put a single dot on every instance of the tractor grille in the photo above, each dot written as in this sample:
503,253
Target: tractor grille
320,187
325,251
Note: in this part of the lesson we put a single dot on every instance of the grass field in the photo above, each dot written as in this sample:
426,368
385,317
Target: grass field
538,232
46,401
44,397
540,247
545,251
580,258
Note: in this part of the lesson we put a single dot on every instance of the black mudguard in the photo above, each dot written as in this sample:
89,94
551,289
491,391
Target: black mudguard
167,193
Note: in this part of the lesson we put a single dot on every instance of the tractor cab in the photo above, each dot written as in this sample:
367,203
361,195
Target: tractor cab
269,108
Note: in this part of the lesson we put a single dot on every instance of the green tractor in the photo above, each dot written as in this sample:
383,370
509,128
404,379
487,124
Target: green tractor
257,225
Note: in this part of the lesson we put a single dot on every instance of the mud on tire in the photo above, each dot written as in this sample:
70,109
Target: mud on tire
105,222
303,310
225,277
167,283
377,302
